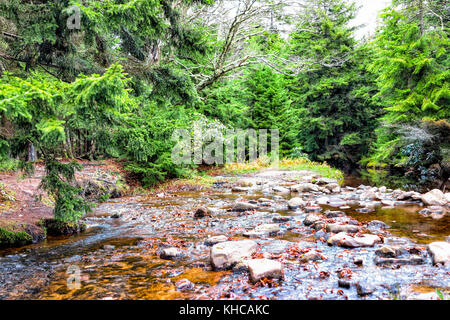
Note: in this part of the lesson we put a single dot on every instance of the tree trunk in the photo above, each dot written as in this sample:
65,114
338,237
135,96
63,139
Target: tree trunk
421,23
32,155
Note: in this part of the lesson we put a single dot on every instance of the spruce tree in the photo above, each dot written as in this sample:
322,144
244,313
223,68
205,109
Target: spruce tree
332,116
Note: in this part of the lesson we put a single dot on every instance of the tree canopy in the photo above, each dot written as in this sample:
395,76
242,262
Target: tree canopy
84,79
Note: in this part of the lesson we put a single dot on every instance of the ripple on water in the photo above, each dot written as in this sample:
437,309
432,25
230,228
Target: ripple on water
118,257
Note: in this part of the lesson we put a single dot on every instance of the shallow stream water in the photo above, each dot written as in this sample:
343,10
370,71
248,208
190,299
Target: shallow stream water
118,258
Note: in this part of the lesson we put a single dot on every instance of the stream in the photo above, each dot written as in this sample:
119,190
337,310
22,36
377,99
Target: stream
118,257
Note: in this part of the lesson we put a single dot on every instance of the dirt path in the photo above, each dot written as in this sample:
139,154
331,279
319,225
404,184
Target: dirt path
31,204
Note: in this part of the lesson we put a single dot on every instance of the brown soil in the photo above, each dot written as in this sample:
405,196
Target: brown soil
31,203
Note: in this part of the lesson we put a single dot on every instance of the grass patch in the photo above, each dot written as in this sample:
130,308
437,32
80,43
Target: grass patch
323,169
192,183
9,165
10,239
247,167
12,234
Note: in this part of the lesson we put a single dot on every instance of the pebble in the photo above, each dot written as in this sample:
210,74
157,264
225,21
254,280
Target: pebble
215,240
171,253
244,206
184,285
364,289
311,219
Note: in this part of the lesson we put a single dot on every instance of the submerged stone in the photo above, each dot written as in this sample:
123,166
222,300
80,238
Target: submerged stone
215,240
311,256
342,239
244,206
413,260
296,203
311,219
364,288
264,230
336,228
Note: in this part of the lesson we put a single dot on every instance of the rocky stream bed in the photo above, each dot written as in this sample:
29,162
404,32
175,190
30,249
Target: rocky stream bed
267,235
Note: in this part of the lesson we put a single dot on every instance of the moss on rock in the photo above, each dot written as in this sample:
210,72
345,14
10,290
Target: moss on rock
10,239
18,233
60,228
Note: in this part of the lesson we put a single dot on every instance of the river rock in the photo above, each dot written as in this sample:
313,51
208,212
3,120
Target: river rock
388,203
408,195
296,203
364,288
264,230
225,254
244,206
359,261
322,181
440,252
304,187
346,284
310,219
377,224
307,179
437,216
264,268
388,251
280,189
423,296
368,195
434,198
184,285
311,256
412,260
246,183
332,186
337,203
321,235
334,214
171,253
336,228
240,267
342,239
365,210
215,240
239,189
281,219
202,212
322,200
313,209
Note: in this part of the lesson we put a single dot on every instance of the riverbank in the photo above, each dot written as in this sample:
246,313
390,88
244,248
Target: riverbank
292,234
24,207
